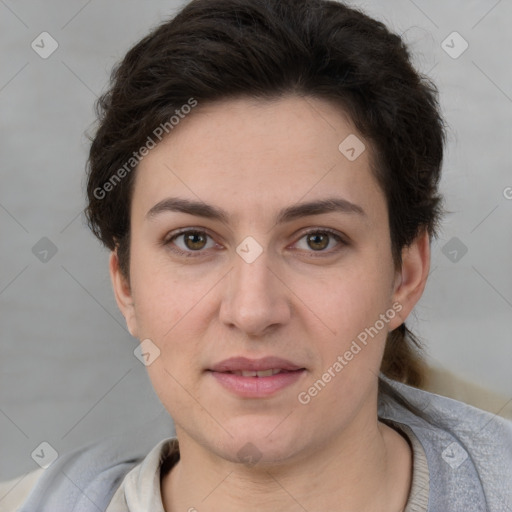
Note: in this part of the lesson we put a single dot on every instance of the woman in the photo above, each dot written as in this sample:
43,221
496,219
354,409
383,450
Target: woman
265,175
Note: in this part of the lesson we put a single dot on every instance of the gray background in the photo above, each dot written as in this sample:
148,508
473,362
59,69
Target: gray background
67,370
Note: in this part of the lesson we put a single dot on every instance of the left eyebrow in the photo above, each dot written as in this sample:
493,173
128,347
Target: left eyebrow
333,204
201,209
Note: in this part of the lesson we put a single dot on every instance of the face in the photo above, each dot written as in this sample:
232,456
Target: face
253,236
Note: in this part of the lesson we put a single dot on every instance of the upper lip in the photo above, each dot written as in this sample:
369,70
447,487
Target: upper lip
234,364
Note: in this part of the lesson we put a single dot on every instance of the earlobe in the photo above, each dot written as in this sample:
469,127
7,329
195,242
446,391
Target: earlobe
411,281
122,293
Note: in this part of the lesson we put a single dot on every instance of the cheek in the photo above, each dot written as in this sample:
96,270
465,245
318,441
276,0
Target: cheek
162,295
352,297
352,305
170,312
172,309
350,360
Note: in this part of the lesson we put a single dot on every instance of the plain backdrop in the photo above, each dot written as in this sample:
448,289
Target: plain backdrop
68,374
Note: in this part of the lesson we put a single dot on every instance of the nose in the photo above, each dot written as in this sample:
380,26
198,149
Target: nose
256,299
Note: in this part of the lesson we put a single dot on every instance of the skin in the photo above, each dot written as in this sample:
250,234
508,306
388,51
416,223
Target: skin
301,301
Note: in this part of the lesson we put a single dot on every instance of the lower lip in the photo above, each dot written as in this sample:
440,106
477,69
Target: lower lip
257,387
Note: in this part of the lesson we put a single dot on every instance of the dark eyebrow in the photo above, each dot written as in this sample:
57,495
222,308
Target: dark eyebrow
200,209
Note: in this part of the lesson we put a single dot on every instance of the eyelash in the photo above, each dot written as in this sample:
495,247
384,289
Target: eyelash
167,242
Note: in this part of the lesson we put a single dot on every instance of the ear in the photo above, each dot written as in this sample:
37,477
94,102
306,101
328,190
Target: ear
410,281
123,294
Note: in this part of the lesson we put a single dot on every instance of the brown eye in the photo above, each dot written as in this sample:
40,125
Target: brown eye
318,241
323,241
194,240
190,241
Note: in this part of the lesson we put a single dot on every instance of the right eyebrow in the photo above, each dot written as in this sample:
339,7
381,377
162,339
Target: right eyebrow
198,208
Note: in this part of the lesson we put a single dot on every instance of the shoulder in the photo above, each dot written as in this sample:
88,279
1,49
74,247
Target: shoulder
14,492
96,469
441,381
469,450
479,429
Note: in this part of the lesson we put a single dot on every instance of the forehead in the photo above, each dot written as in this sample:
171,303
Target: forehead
246,153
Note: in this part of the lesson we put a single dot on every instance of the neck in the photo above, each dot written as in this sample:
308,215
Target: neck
367,467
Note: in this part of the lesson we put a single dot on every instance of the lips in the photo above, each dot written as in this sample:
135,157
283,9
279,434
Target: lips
260,373
264,367
256,378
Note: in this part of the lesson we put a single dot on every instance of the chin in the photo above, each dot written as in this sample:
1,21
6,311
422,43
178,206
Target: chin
262,442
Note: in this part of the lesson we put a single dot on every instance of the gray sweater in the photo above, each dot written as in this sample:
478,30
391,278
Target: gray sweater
468,453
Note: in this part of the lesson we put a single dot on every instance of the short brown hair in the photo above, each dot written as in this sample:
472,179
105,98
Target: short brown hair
219,49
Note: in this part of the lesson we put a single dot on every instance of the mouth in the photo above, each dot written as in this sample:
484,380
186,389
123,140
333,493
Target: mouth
263,367
256,378
261,373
